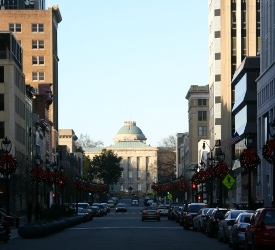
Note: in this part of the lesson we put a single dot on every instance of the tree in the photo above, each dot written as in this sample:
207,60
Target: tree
85,142
106,167
167,159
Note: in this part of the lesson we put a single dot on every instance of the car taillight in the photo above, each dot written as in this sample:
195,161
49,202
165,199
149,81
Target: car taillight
157,212
144,211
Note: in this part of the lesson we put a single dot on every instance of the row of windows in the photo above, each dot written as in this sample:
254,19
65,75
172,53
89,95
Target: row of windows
20,134
139,187
19,107
267,92
17,27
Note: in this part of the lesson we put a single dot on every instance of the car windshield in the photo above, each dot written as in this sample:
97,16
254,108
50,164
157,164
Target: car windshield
234,214
194,208
220,214
269,218
83,205
243,217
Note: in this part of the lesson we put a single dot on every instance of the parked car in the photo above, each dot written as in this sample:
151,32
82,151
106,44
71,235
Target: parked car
106,207
172,214
163,209
96,211
225,225
206,218
213,221
83,213
121,207
86,206
190,212
102,211
171,209
237,230
150,213
261,231
198,219
178,214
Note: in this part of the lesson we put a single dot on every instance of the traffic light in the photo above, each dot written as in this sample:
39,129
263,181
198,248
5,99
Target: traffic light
199,197
194,185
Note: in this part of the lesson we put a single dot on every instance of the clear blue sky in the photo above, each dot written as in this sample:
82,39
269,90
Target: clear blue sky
130,60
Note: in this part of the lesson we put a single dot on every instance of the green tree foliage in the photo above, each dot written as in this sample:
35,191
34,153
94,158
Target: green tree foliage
106,167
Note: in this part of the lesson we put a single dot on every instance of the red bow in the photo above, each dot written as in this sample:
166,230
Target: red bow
271,146
249,155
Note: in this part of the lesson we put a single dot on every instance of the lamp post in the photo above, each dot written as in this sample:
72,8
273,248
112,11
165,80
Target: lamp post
62,183
6,148
210,169
37,165
271,131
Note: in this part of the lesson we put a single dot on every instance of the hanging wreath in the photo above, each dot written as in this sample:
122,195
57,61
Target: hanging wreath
268,151
221,169
249,159
36,174
210,173
7,164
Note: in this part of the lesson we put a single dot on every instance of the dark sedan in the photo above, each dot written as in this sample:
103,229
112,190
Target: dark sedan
150,213
121,207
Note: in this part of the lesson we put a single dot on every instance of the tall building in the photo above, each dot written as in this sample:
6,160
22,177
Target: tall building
234,33
36,29
266,99
198,117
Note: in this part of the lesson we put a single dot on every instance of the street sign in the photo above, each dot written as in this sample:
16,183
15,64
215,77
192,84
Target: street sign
229,181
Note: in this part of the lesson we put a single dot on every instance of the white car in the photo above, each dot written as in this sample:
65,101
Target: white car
163,209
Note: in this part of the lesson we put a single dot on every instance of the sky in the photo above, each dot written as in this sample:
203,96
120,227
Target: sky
130,60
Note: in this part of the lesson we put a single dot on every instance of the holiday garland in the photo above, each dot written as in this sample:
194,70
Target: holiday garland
249,159
268,151
7,165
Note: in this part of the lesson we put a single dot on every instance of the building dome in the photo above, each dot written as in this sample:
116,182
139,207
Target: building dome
130,132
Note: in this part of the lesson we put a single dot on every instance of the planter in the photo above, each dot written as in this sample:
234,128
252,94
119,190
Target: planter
30,231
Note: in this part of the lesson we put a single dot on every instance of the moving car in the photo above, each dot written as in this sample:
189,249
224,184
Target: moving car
261,231
111,203
150,213
237,230
135,202
121,207
87,208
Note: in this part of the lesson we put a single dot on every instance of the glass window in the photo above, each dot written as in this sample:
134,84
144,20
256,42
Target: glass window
15,27
2,129
202,130
201,102
240,91
2,106
1,73
202,115
37,27
37,44
38,76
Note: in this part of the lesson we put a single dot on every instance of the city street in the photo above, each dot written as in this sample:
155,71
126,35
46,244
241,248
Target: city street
120,231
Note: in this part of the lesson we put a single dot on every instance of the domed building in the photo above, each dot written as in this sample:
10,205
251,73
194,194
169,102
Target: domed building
139,160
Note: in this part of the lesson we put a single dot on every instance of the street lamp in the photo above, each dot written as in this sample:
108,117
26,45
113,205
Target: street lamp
271,131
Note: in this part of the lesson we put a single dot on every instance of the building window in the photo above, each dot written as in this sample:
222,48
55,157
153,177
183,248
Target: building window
121,188
1,73
202,130
37,27
2,103
139,187
139,174
202,102
15,27
202,115
38,76
2,129
37,44
130,174
38,60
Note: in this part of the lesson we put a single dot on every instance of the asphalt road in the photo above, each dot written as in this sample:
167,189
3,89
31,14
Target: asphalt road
119,231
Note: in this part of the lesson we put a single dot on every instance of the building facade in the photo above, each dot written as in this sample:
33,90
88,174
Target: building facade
266,99
139,161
